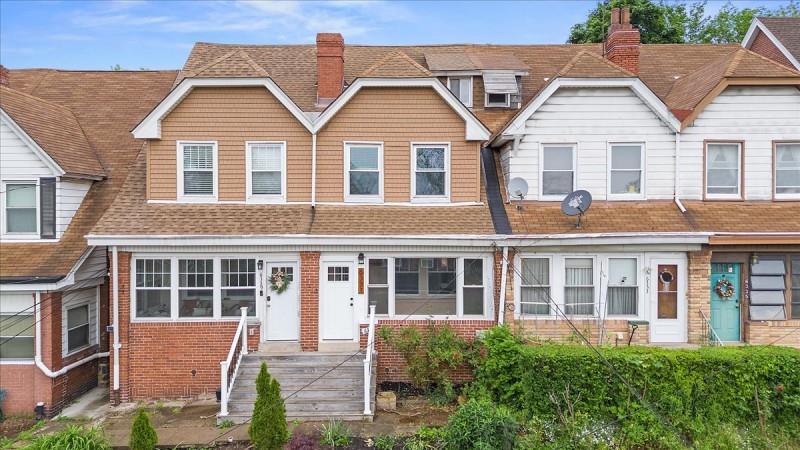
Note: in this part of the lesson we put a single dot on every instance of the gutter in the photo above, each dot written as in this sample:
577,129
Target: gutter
313,170
677,181
501,310
115,326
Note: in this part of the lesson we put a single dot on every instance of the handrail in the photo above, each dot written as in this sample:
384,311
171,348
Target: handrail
369,353
714,337
227,371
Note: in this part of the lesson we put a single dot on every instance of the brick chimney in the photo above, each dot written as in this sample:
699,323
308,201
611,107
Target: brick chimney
3,75
330,67
623,41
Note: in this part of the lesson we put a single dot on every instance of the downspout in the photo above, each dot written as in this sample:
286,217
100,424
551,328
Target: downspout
678,172
313,170
115,299
38,356
501,310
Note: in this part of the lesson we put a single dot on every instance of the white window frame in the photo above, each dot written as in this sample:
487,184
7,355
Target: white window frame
506,104
642,170
4,216
518,285
16,310
265,198
542,146
739,174
363,198
597,288
88,325
173,289
190,198
640,296
488,288
430,198
186,288
775,193
468,79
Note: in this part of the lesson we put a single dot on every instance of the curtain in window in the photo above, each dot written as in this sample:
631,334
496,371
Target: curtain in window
622,294
578,286
722,169
535,291
787,168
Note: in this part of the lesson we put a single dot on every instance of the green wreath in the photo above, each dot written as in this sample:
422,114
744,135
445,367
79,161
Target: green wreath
279,282
724,288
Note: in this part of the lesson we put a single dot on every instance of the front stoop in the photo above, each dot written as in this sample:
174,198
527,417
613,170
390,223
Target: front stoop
338,394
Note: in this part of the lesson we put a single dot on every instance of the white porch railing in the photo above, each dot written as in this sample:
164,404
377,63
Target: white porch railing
230,367
369,354
709,332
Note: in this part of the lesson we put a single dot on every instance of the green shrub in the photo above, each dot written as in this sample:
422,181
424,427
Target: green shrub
268,429
72,437
693,391
426,438
386,442
335,434
143,435
481,425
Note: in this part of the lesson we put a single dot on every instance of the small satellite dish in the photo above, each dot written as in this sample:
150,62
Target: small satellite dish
576,204
518,188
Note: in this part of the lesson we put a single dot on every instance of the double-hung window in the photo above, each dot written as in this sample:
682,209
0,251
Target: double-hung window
473,290
238,287
78,328
430,180
195,287
795,280
622,295
364,172
16,326
21,213
535,286
625,171
197,164
723,163
378,285
266,170
558,171
153,288
461,87
579,295
787,170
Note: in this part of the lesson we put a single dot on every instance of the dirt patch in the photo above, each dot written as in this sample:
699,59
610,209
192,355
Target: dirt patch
14,425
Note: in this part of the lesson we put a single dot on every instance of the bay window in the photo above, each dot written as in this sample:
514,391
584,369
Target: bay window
196,287
266,163
153,288
622,296
238,287
430,179
197,167
787,170
625,171
723,163
364,174
557,171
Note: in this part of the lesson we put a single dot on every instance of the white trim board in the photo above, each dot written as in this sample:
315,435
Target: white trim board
756,24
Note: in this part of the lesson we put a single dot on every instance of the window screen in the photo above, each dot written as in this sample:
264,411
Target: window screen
535,286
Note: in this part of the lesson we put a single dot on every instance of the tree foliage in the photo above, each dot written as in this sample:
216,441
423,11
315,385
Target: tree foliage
143,435
662,22
268,426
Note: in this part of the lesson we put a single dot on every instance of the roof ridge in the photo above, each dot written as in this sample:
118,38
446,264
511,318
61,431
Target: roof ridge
252,63
594,55
737,58
39,99
747,51
392,55
212,63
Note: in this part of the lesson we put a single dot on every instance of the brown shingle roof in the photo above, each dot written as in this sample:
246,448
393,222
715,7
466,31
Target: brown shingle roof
588,64
787,30
55,129
107,105
396,64
472,60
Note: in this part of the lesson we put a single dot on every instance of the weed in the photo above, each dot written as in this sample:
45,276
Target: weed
335,434
225,424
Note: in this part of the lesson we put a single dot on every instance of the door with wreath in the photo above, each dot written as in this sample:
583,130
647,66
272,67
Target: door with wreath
726,301
282,302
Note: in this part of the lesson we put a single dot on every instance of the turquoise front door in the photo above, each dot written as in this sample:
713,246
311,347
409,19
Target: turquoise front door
725,300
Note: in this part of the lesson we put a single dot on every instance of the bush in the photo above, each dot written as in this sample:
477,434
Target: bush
387,442
302,441
72,437
426,438
268,429
481,425
693,391
143,435
335,434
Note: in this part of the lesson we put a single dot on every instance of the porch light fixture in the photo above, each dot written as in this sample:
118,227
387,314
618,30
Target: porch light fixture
360,259
260,264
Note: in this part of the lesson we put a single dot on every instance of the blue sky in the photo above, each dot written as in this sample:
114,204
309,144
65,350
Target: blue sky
159,34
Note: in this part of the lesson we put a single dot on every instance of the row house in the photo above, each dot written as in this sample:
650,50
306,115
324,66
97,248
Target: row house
278,203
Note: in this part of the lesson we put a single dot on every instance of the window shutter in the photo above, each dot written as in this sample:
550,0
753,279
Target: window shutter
47,202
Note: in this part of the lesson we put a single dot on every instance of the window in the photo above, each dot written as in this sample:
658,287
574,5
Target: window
364,164
266,167
197,169
473,287
625,170
579,286
153,282
787,170
378,285
238,287
77,327
768,287
16,335
338,273
558,171
723,170
195,287
622,297
535,286
795,306
494,100
21,212
461,87
430,178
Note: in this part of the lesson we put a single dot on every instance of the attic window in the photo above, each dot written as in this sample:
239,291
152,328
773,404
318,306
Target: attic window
499,87
498,100
461,87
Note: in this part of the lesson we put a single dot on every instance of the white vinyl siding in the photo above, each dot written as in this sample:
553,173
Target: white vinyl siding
197,171
594,118
266,171
69,195
755,115
17,159
79,320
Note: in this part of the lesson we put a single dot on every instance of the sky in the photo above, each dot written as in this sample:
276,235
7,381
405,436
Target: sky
138,34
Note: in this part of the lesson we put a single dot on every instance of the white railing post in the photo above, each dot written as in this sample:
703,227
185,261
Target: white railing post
244,330
368,361
223,407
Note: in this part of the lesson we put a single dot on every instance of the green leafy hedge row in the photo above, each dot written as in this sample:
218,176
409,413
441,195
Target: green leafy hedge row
693,391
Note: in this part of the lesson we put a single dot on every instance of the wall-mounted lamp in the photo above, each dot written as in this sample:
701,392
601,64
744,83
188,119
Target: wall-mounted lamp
260,264
360,259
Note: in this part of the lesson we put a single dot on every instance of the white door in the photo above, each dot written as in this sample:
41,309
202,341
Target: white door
337,301
667,301
283,309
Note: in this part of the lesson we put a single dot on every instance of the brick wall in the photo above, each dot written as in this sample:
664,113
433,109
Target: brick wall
773,332
765,47
614,332
698,293
309,301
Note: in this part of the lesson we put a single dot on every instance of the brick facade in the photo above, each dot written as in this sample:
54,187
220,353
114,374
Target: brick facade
309,301
698,294
765,47
773,332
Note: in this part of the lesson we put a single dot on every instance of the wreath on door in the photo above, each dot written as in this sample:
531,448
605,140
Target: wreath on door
724,288
279,282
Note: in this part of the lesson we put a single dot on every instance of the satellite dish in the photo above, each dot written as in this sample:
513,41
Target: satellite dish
576,204
518,188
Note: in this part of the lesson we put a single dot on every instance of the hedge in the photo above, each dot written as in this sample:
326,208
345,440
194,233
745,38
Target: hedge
691,389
